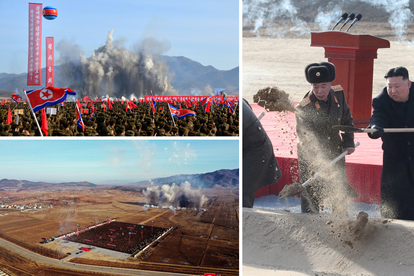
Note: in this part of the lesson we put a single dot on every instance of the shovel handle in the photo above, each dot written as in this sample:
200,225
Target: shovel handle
392,130
339,157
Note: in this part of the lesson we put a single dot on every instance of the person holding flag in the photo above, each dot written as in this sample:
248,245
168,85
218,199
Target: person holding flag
79,119
154,106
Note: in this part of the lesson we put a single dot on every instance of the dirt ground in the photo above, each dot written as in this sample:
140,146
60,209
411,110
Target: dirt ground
281,62
303,244
205,239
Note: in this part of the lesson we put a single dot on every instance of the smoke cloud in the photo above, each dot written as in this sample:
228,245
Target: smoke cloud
115,71
173,196
277,18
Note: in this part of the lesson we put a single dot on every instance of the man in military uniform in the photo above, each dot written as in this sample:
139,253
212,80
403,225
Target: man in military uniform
318,143
394,108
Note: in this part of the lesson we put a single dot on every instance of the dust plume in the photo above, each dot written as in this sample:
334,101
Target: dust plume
273,99
116,71
278,18
174,196
330,185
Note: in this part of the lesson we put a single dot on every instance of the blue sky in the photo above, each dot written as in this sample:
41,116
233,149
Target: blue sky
206,31
99,161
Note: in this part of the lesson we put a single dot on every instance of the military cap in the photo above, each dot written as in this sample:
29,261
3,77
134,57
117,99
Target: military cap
129,133
320,72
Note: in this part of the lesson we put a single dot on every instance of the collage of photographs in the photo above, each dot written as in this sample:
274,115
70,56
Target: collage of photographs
207,138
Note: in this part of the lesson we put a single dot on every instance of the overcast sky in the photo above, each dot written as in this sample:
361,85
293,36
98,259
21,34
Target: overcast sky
98,160
206,31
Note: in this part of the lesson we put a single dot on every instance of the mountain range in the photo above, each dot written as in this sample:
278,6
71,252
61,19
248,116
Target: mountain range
25,184
220,178
187,76
216,179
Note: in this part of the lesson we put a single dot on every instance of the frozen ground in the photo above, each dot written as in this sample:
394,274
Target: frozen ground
292,204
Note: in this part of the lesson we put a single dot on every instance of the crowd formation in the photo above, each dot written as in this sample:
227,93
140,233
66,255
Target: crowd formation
116,236
122,121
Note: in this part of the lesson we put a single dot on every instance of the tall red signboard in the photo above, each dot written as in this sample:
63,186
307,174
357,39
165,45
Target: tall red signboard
35,44
50,57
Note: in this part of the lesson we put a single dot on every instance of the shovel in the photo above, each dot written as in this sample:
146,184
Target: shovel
370,130
296,188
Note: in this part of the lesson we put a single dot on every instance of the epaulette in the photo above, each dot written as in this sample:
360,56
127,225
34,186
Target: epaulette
337,88
305,101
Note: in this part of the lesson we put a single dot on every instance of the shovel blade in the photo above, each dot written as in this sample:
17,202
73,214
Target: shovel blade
291,190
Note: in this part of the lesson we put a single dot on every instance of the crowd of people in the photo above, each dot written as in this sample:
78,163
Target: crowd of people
115,236
122,121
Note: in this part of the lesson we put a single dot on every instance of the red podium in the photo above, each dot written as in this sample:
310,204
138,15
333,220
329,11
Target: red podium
353,56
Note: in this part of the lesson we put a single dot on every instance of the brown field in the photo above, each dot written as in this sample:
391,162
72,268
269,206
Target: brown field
205,239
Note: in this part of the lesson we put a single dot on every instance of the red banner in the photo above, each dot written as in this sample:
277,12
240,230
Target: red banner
190,98
50,61
35,44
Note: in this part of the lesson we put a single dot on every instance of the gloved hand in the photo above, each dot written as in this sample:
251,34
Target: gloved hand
377,134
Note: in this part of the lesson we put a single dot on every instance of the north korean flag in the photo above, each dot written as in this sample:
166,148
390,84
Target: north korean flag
16,98
180,113
47,96
79,120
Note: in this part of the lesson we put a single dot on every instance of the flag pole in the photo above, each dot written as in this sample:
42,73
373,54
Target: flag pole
28,100
171,114
14,107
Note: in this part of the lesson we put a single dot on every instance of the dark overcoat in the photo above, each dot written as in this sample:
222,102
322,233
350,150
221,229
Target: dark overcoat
397,178
260,166
319,143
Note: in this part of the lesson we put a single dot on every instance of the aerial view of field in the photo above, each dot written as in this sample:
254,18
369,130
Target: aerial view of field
126,216
201,239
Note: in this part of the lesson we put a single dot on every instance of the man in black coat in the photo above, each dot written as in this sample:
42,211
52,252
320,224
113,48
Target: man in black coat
260,166
318,143
394,108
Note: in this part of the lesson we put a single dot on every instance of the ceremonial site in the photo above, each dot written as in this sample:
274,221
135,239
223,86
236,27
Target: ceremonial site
281,38
117,228
115,91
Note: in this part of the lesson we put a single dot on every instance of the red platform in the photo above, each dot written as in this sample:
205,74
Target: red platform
363,167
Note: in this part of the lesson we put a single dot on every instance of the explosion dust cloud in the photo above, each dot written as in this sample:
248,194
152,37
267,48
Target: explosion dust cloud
183,196
115,71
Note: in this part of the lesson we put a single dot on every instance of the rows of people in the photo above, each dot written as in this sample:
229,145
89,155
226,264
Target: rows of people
122,121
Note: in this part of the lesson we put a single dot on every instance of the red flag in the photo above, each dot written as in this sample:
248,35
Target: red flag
122,102
109,104
208,107
9,117
126,107
44,127
188,103
131,105
161,108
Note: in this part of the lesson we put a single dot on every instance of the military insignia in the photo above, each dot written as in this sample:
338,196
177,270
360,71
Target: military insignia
336,100
305,101
318,74
318,106
337,88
